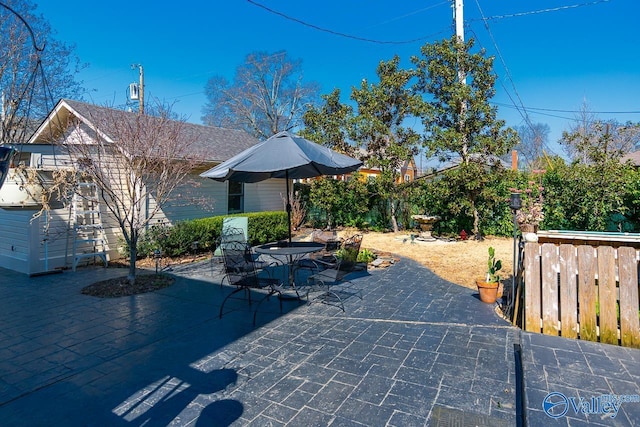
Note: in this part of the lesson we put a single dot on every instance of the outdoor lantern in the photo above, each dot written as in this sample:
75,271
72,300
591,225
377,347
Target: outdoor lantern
515,202
157,255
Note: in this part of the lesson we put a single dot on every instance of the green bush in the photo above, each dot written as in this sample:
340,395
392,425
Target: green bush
366,255
177,240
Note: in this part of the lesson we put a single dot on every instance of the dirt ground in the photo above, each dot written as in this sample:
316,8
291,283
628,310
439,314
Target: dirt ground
460,262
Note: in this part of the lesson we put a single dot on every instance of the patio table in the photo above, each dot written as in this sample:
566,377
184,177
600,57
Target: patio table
290,253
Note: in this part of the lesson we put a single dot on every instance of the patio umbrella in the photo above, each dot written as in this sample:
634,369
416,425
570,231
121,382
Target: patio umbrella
283,156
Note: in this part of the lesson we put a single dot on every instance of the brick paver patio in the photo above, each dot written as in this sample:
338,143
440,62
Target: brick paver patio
416,350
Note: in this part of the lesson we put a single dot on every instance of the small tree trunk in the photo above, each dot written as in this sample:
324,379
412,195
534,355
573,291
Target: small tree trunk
394,220
133,254
476,219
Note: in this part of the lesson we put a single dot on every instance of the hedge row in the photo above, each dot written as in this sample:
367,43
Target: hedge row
178,240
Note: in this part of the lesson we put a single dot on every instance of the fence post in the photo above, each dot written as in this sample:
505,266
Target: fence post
587,293
549,266
607,295
568,291
532,287
629,303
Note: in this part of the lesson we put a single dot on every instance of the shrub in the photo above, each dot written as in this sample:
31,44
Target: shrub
177,240
366,255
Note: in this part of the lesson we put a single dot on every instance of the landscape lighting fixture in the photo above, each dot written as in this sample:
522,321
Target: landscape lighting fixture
515,202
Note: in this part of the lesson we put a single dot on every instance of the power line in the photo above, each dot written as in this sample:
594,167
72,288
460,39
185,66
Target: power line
520,108
535,12
523,112
578,111
500,104
338,33
406,15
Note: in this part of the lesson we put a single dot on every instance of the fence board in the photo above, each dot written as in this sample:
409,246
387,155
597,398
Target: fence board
629,303
532,287
607,295
568,291
587,293
549,260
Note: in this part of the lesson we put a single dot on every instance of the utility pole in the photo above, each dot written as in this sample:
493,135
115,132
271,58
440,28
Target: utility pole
462,76
459,19
141,94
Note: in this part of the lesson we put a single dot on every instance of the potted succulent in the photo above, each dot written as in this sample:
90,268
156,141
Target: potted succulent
488,287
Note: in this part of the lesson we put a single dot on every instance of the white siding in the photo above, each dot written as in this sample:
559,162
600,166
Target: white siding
265,195
15,239
25,247
208,198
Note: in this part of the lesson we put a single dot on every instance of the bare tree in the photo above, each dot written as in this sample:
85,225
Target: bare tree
266,96
533,140
35,69
136,161
592,140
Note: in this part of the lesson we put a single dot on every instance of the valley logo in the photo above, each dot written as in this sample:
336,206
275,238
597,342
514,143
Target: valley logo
556,404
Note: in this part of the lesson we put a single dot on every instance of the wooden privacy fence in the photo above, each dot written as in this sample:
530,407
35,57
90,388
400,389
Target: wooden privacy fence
583,285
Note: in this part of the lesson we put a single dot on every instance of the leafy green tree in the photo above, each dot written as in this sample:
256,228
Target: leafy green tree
377,127
331,124
267,95
460,122
381,128
445,196
357,202
631,201
345,203
586,197
325,195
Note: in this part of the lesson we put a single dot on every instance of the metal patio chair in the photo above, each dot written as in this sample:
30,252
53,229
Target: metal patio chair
328,276
241,271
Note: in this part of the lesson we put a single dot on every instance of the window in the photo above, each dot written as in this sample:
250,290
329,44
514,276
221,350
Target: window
407,178
236,197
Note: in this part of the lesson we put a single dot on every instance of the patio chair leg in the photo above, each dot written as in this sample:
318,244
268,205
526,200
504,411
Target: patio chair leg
235,291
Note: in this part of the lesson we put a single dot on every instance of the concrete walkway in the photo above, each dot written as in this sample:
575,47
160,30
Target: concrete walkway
416,350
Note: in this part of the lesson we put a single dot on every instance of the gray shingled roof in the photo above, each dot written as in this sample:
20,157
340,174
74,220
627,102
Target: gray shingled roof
220,144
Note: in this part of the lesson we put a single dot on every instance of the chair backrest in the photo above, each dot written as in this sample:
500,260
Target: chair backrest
349,251
239,265
234,229
329,239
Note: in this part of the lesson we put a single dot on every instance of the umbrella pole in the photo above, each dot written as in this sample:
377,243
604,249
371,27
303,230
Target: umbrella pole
286,176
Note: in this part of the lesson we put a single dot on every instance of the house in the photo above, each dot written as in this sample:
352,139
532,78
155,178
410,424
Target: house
408,172
43,243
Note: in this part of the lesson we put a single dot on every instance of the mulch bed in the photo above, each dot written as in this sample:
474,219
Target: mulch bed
120,286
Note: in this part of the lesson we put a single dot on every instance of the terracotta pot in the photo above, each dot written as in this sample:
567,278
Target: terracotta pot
488,291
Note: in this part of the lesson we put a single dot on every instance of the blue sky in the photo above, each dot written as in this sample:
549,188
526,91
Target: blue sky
551,55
